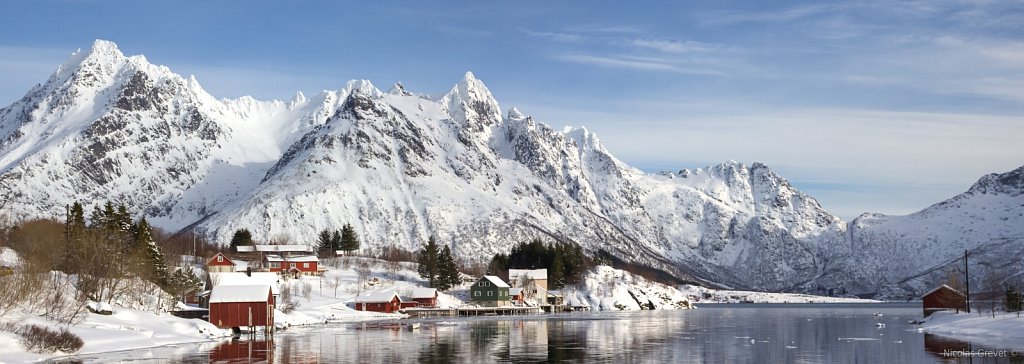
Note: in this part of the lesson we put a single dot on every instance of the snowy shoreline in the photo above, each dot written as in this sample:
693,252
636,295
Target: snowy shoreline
1002,331
326,301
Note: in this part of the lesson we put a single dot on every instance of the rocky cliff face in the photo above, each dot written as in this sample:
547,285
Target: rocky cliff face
401,167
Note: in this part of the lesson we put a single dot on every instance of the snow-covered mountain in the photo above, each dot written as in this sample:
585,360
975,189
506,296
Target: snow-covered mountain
401,167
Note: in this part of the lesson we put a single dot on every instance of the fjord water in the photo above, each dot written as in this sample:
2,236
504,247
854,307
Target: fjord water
713,333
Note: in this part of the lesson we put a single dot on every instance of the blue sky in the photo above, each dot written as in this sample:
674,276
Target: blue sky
878,106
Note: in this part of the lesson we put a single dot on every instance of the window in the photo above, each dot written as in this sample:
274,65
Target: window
220,258
275,265
490,293
476,294
305,265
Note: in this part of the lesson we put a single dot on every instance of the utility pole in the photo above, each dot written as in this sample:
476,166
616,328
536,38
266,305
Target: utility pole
967,282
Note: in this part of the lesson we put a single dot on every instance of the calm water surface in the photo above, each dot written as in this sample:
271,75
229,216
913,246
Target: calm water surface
720,333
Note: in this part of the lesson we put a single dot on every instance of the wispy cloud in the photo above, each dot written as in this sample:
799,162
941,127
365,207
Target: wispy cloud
638,63
780,16
673,46
556,36
641,52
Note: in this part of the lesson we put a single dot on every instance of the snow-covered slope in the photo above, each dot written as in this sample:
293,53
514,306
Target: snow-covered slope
401,167
914,252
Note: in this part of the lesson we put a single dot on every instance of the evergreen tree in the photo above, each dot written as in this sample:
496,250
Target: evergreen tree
428,261
155,268
241,237
74,233
324,244
336,241
556,275
182,281
349,239
448,270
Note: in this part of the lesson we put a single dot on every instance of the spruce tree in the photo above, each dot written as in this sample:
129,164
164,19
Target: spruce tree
428,261
448,270
241,237
336,241
155,268
324,244
349,239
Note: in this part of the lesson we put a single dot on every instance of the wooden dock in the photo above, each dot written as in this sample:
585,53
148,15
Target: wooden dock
471,311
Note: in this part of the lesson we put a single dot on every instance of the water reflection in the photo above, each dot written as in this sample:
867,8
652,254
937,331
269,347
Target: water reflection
711,334
951,350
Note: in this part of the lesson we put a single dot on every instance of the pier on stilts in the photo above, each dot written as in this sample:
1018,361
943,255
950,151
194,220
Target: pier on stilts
471,311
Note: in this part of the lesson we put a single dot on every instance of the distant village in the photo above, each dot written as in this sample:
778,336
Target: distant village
242,290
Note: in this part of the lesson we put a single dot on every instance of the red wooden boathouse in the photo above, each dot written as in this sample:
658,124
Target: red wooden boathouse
242,305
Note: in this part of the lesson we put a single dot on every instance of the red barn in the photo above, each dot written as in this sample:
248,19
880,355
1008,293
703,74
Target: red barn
220,263
943,298
237,306
386,302
425,297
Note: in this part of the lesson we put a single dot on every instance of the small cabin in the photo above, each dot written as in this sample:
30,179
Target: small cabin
516,295
489,291
237,306
943,298
386,302
220,263
425,297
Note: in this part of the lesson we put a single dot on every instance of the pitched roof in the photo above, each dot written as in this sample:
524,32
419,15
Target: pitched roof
208,261
423,292
273,258
940,287
273,248
515,291
513,274
240,293
241,279
383,296
303,258
497,282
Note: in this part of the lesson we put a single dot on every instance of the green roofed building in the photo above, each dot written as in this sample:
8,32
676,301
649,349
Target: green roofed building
490,291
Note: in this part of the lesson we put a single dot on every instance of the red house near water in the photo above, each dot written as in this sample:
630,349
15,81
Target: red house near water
943,298
242,305
425,297
386,302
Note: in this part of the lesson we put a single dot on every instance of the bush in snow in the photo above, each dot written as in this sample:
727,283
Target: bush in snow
39,339
288,301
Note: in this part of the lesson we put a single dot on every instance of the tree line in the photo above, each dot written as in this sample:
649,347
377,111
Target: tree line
326,245
566,262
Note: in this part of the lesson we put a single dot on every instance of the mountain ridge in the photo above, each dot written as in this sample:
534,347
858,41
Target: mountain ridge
402,167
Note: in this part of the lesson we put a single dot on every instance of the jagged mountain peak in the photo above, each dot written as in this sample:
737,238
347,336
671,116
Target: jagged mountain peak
362,87
398,89
471,104
1010,183
515,114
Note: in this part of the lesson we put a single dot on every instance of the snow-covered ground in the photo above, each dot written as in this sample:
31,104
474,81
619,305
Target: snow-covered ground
607,288
1003,331
330,298
707,295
